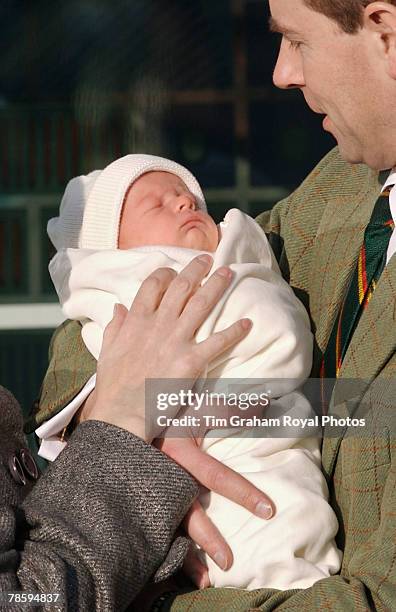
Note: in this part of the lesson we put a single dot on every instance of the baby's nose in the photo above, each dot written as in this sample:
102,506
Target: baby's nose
186,201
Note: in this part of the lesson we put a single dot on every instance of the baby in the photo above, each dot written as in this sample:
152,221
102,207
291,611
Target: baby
141,212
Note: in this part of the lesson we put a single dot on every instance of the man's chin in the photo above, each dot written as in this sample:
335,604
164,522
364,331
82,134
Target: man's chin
348,154
377,162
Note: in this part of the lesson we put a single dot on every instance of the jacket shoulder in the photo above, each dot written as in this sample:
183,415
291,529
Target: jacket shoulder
330,177
11,419
10,410
70,367
333,173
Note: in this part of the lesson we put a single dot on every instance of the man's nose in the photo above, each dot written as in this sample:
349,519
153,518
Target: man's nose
288,72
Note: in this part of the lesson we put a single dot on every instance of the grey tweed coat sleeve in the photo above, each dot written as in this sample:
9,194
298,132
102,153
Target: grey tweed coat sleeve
100,522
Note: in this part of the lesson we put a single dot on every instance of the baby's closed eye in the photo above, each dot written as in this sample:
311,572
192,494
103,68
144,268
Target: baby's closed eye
151,204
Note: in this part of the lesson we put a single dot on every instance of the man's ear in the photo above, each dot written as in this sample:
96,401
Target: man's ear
380,19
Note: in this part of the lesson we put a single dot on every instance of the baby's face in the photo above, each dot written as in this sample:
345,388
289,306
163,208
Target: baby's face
159,209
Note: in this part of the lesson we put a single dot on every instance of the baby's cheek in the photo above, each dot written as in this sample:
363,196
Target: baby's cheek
214,237
218,235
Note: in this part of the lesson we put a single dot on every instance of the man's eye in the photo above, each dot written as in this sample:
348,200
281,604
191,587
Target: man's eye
294,44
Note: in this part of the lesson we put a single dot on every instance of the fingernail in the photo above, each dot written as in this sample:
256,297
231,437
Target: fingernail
246,323
225,272
206,259
221,560
202,582
264,510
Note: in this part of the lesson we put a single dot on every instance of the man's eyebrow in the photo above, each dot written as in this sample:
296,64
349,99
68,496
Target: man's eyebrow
277,28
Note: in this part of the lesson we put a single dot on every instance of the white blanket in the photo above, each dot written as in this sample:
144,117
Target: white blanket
291,550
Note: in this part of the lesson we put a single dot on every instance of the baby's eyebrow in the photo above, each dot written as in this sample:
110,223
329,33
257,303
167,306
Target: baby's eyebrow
183,187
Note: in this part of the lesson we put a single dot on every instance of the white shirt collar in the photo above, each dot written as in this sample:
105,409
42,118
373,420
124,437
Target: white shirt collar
391,180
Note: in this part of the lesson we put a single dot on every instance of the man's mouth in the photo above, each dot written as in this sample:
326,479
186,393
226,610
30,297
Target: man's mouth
318,111
312,106
326,123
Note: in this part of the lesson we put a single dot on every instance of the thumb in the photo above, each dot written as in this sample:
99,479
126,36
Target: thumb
114,326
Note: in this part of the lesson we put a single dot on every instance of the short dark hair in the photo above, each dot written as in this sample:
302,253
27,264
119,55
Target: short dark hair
348,14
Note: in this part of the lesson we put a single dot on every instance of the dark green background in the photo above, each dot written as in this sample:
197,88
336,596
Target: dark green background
84,81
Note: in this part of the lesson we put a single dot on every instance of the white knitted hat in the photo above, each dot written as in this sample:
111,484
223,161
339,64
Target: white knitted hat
90,210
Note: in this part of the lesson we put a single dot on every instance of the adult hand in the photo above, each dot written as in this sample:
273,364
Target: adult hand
215,476
160,329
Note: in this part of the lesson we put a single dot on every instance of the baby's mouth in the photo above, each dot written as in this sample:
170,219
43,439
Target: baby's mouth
192,220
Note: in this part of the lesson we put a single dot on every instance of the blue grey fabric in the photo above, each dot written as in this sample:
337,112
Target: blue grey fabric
98,524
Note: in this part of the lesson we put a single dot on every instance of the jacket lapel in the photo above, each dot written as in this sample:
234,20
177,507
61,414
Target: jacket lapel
374,340
338,241
371,347
339,238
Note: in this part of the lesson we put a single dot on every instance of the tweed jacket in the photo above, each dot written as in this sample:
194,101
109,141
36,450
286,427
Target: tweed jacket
316,234
97,525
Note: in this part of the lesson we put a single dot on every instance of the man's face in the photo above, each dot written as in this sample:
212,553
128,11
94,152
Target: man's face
341,75
160,210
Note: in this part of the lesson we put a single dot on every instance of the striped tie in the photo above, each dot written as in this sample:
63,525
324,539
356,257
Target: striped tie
370,264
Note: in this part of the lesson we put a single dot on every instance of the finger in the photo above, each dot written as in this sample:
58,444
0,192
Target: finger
202,531
219,478
113,327
196,570
203,301
220,342
151,291
184,285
